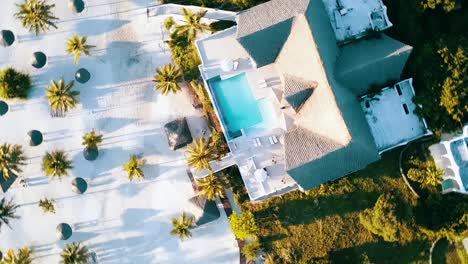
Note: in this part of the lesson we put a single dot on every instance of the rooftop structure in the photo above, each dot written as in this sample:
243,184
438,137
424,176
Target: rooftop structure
452,157
312,128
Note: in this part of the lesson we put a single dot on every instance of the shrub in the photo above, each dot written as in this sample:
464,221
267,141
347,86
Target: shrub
425,172
14,84
221,25
47,205
250,250
243,226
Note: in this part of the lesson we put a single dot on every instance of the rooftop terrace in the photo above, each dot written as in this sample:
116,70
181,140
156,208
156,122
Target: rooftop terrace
353,19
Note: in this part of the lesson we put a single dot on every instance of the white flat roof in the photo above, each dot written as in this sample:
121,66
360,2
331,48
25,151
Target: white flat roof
354,18
391,116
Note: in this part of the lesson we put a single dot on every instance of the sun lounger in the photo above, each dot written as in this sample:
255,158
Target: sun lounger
257,142
273,140
235,65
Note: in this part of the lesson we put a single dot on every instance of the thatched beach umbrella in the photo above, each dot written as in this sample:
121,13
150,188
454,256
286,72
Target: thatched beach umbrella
64,231
79,185
39,59
209,208
6,38
178,133
90,153
77,6
35,138
3,108
82,75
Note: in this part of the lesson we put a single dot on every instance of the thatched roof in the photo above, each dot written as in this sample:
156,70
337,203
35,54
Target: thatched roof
6,38
3,108
64,231
6,184
178,133
79,185
77,6
35,138
38,60
82,75
90,153
209,208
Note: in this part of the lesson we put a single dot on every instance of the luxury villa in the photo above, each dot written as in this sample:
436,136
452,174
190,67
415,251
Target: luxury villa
291,86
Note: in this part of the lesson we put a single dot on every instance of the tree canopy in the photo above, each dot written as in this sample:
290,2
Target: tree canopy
243,226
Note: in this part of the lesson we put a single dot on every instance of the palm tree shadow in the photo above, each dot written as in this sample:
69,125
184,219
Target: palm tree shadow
93,27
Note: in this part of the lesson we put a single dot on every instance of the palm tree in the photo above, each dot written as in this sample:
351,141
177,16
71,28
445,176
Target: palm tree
36,15
77,45
182,226
11,158
91,140
56,164
75,253
61,99
7,212
200,153
167,78
211,187
23,256
133,168
192,24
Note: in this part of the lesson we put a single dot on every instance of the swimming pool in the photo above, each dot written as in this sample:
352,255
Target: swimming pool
235,102
459,150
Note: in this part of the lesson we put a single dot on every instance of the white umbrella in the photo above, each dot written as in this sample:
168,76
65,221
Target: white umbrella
261,175
227,65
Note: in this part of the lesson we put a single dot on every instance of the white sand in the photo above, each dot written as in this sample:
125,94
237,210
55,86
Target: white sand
122,221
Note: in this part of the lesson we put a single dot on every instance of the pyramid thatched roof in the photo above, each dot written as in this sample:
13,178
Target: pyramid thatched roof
3,108
39,59
6,38
6,184
79,185
209,208
178,133
64,231
35,138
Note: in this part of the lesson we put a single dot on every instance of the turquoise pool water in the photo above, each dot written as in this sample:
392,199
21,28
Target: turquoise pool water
460,154
235,102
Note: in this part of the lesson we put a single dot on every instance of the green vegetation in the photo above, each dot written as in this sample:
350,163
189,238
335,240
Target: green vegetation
14,84
232,174
438,62
425,172
447,5
182,226
448,252
167,79
36,15
77,45
221,25
47,205
211,187
24,256
234,5
11,158
133,168
75,253
91,140
56,164
61,98
200,153
7,212
243,226
383,220
192,24
251,250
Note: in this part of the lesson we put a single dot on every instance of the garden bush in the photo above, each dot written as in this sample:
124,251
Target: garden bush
221,25
250,250
14,84
243,226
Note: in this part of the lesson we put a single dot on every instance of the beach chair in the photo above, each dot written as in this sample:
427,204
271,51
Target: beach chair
273,140
235,65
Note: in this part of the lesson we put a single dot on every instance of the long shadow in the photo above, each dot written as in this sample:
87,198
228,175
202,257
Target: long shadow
110,124
93,27
383,252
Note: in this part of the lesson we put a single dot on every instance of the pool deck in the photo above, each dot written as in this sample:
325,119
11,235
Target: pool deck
224,46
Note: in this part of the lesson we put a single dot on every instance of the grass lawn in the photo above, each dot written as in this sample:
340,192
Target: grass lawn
323,225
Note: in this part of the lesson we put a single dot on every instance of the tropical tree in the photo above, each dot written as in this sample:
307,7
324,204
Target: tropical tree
36,15
182,226
23,256
167,79
243,226
61,98
77,45
91,140
425,172
11,158
447,5
14,84
251,250
75,253
200,153
133,168
211,186
7,212
56,164
192,24
47,205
